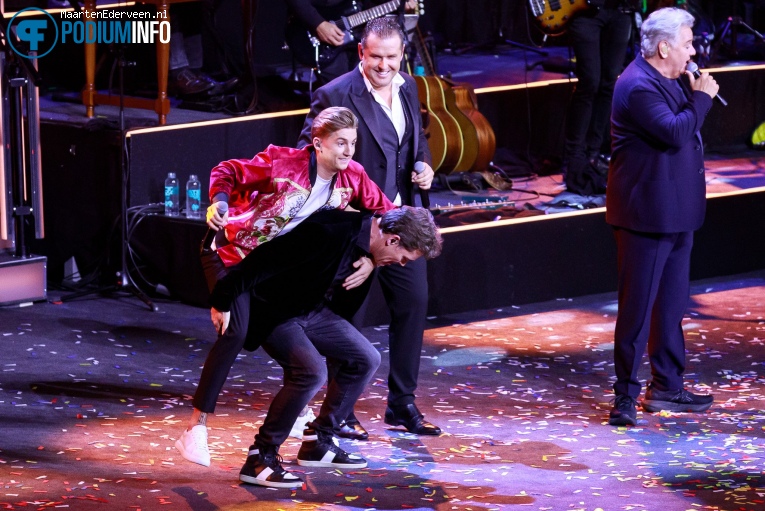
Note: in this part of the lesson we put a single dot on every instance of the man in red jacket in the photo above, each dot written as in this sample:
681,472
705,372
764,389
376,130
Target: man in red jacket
268,196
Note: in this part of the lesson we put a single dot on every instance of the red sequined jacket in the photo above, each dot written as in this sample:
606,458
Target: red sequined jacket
266,192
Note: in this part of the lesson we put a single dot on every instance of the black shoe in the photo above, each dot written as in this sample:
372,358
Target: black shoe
352,429
222,86
264,467
675,401
320,449
600,163
623,412
586,180
186,83
411,418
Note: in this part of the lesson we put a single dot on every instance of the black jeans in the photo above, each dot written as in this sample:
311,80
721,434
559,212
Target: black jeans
300,346
599,39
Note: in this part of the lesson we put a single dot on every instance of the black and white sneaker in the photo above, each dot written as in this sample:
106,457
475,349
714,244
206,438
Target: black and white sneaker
321,449
264,467
675,401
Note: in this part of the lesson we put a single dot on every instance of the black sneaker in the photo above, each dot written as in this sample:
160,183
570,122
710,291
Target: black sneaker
264,467
321,449
623,412
675,401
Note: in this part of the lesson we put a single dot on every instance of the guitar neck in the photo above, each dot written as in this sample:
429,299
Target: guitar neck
354,20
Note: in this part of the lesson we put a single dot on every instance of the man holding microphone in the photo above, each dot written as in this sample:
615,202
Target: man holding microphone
656,198
393,150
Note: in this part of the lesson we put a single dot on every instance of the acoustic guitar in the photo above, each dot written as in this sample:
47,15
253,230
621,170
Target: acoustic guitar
479,137
468,132
443,131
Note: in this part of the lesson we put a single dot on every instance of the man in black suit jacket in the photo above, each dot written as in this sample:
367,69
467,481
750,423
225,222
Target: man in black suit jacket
655,200
301,303
391,144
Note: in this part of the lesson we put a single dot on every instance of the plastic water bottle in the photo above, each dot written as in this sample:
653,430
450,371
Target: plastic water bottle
193,197
172,207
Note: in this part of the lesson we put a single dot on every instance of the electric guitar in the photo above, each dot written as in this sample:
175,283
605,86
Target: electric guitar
310,52
553,15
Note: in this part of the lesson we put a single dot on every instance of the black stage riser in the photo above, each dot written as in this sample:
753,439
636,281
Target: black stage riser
568,255
195,149
512,262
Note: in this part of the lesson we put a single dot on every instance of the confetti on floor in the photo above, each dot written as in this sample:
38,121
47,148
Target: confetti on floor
94,393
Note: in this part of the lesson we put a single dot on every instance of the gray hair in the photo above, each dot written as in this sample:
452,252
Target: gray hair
663,25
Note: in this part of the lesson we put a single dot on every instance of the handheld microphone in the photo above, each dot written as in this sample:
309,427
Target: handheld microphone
694,69
210,236
419,168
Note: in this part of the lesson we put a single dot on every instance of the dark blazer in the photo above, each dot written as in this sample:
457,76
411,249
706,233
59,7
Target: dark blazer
349,90
299,272
656,177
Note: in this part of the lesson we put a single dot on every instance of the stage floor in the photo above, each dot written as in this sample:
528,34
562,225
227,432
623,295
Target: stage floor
725,173
94,393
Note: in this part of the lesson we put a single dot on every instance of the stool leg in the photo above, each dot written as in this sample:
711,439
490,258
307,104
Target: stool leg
89,90
163,65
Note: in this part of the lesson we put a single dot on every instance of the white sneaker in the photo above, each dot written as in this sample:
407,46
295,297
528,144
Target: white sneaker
305,417
193,445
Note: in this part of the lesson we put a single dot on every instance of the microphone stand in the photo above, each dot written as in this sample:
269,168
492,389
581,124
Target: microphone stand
731,29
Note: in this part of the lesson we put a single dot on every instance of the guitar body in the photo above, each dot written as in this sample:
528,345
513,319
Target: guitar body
467,129
298,37
553,15
485,141
304,44
444,135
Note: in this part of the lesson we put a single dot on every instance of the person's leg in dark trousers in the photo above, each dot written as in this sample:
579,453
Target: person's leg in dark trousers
406,292
584,33
305,372
299,347
641,261
192,443
666,343
222,356
354,357
226,348
614,38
